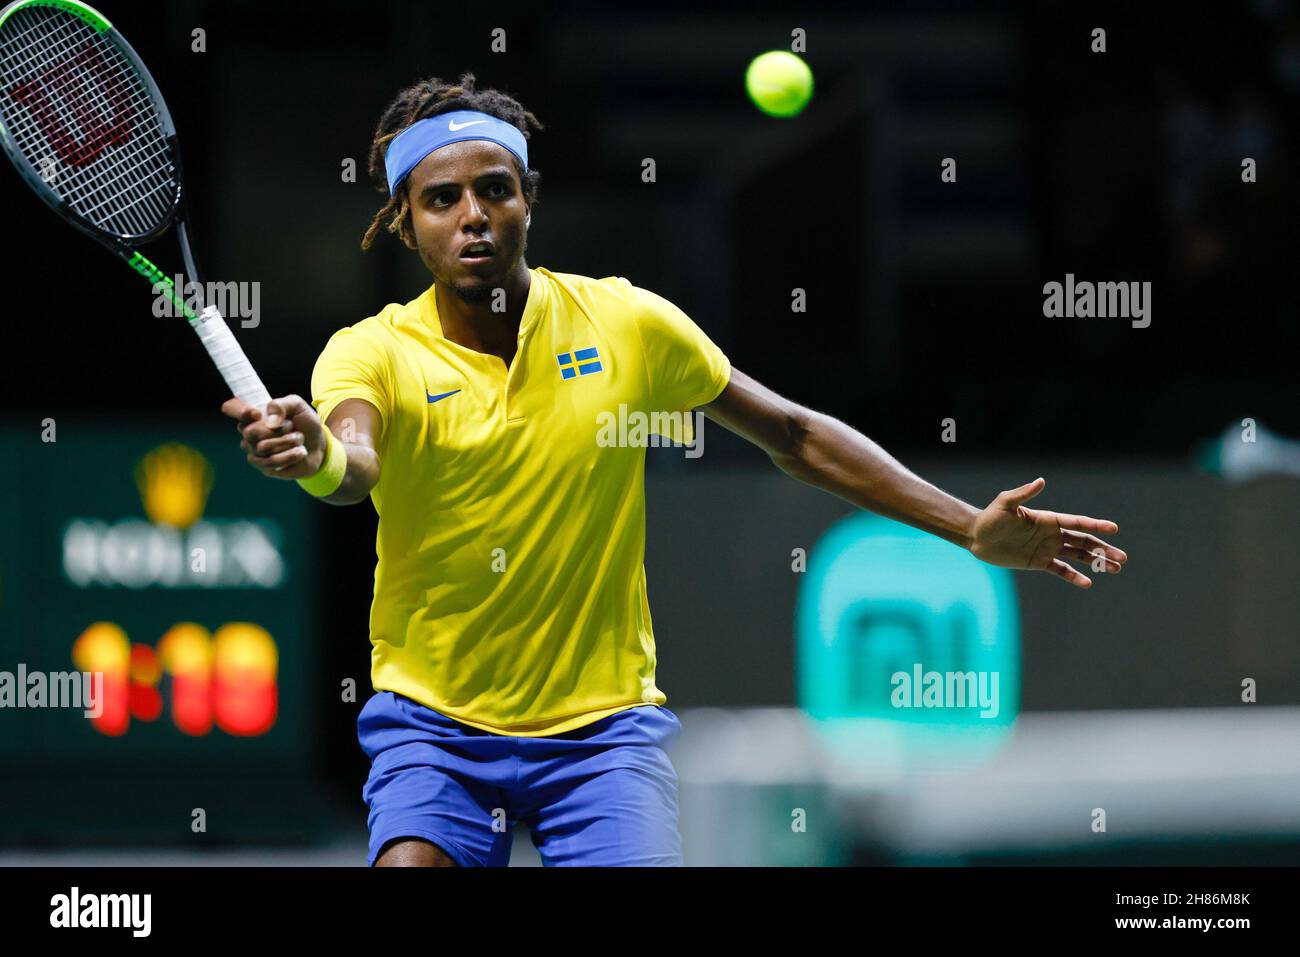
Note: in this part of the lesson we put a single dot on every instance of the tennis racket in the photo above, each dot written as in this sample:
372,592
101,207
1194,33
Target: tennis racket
84,123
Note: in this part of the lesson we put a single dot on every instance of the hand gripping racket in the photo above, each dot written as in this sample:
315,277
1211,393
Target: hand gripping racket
85,125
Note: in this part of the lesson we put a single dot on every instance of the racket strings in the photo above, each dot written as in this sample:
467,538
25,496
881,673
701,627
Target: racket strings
95,197
140,203
59,77
61,45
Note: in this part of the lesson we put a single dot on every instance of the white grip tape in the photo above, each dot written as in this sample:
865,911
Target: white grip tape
230,359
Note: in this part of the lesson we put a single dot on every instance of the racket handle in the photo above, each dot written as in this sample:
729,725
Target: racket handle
230,359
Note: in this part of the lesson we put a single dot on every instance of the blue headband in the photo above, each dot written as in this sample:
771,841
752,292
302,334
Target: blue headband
418,140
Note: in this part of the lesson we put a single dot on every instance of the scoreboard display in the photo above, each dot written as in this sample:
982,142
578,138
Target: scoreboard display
171,577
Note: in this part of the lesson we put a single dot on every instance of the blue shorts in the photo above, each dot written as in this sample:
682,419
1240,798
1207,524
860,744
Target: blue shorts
603,795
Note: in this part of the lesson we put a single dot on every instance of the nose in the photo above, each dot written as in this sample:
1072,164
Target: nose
476,215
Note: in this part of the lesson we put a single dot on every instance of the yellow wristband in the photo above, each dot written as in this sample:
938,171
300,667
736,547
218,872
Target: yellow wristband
330,475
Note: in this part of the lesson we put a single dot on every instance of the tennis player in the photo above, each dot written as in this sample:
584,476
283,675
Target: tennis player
513,656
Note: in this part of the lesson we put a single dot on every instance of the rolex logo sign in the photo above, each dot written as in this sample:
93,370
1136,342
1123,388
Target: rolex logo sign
174,481
174,545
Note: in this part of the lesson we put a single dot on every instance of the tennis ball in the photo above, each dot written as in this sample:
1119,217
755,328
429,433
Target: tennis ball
779,83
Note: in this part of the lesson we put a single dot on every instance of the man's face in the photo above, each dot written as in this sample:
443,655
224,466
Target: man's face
464,193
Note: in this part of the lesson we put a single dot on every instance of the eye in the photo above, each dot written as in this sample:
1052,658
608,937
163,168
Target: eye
505,190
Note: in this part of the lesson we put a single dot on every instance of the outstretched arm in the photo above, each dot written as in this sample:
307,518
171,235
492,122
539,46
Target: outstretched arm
830,455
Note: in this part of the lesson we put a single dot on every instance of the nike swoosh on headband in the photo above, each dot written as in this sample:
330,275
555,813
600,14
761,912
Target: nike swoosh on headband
422,137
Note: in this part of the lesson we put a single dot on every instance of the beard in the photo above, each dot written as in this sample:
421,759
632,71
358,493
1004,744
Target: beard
471,294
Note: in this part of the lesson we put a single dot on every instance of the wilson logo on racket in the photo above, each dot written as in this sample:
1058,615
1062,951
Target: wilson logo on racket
85,87
147,269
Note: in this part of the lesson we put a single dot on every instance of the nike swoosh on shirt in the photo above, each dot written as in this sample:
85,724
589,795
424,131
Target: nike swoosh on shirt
453,126
435,398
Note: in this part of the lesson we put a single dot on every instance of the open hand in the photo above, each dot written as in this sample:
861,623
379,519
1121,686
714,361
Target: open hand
1013,536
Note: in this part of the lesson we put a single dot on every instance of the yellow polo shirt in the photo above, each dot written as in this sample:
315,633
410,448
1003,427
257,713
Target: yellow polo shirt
510,589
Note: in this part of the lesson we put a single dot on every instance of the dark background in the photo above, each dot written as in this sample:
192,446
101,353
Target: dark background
924,298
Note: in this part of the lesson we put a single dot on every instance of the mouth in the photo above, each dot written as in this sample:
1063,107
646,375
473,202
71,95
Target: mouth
478,252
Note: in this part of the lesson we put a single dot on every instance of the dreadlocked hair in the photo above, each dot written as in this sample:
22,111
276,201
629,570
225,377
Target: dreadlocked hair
430,98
